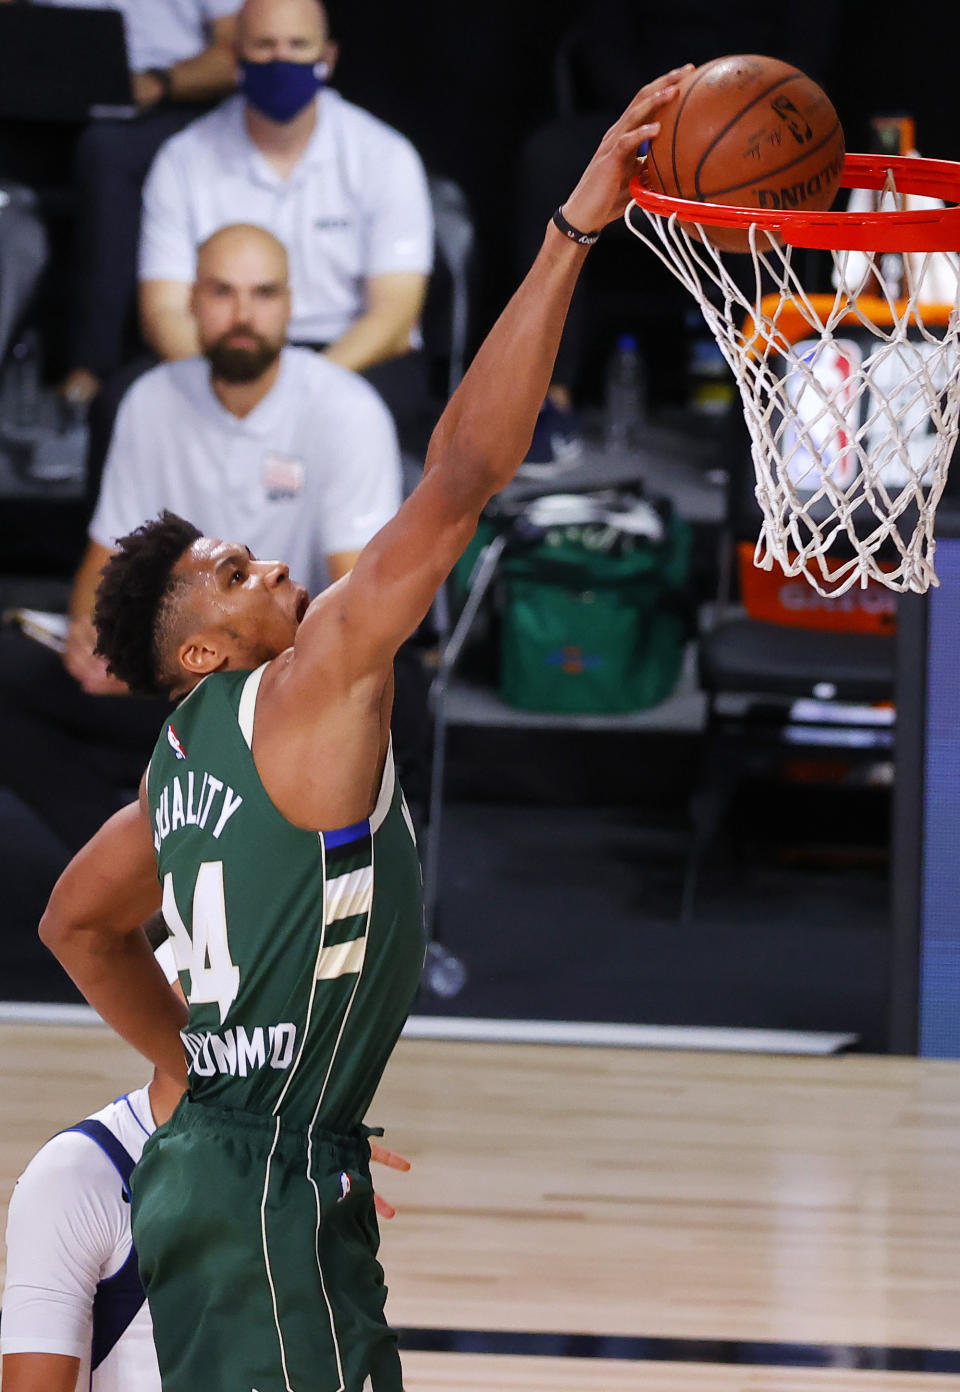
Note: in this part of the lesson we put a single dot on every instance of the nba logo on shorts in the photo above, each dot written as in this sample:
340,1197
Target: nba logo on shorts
345,1185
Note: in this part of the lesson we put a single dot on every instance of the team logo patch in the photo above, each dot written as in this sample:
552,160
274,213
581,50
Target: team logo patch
283,476
573,660
174,743
345,1185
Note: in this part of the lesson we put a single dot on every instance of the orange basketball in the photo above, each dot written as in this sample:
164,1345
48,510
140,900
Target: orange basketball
749,131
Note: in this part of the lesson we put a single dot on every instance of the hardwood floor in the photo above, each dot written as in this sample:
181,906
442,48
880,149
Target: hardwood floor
483,1373
632,1194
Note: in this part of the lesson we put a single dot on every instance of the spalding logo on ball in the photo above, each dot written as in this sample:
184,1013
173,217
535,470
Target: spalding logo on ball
751,132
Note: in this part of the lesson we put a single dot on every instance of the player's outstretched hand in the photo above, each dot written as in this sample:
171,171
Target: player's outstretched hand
396,1162
604,188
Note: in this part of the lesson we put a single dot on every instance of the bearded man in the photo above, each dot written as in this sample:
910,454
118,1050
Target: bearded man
252,437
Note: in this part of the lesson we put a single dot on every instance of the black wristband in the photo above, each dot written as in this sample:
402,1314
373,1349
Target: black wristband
574,233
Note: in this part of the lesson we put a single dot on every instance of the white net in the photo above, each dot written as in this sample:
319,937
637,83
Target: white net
851,397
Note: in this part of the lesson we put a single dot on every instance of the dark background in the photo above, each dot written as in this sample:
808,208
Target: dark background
468,84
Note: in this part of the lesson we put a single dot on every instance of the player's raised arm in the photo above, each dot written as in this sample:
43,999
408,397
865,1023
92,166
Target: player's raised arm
484,433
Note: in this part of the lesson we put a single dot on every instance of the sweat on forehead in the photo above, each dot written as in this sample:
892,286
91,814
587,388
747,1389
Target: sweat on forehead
207,557
205,551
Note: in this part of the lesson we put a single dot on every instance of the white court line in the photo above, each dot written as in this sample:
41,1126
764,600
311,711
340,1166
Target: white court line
753,1041
758,1041
44,1013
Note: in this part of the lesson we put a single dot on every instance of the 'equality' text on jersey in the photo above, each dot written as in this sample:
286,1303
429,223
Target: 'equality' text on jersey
237,1051
180,806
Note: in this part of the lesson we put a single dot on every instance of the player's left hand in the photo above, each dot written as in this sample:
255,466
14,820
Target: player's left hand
604,188
396,1162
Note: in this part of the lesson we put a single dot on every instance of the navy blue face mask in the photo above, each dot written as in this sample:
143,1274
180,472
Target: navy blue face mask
280,90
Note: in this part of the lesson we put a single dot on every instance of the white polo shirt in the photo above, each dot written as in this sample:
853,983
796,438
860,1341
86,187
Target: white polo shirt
357,205
68,1228
312,471
161,32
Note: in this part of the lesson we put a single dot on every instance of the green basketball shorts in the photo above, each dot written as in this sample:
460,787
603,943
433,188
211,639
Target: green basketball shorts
258,1252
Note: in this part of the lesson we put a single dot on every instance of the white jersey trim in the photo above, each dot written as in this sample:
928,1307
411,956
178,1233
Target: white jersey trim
342,959
379,814
246,714
248,704
350,894
192,692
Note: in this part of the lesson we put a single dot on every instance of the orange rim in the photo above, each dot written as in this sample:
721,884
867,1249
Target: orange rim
928,229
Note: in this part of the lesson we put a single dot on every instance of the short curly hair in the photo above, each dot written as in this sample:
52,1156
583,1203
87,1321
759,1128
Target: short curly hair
133,606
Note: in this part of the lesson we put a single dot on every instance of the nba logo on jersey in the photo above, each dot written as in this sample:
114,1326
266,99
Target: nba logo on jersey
174,743
345,1185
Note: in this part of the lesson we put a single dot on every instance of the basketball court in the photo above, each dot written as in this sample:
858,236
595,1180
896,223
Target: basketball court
593,1218
596,1219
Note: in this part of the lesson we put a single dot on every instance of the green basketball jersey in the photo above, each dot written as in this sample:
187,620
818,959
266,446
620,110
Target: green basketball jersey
299,952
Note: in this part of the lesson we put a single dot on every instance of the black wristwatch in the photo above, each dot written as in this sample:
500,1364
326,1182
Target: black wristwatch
163,77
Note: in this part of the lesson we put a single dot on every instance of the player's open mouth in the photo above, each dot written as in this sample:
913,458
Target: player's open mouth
302,605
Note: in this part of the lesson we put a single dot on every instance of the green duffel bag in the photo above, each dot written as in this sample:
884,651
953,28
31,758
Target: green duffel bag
596,615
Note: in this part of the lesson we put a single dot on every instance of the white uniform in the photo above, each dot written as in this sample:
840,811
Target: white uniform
356,205
68,1231
312,471
161,32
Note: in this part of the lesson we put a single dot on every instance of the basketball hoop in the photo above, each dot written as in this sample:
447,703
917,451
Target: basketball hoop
852,398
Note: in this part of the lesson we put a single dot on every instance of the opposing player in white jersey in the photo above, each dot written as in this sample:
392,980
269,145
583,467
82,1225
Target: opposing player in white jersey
74,1311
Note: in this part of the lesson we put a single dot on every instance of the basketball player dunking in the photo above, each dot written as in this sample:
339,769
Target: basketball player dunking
299,950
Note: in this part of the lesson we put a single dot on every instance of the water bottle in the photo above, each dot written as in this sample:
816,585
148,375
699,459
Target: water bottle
626,397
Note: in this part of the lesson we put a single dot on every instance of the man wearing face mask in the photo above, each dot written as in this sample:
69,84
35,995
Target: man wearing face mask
345,194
